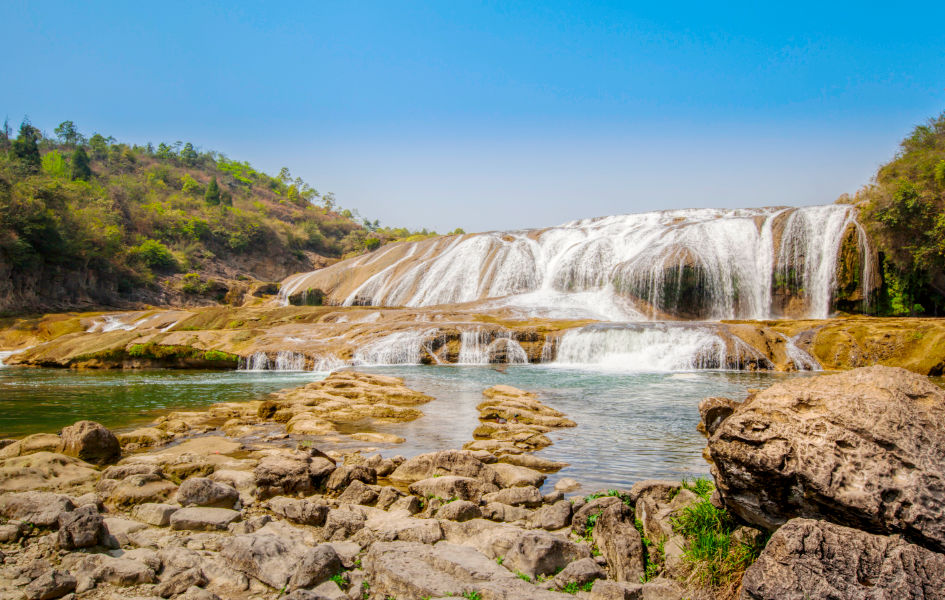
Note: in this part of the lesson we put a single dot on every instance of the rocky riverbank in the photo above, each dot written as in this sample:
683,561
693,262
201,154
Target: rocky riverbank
844,473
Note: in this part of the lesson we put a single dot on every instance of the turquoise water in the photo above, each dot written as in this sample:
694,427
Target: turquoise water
631,426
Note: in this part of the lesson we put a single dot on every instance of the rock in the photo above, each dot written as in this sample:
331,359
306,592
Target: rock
342,524
581,572
531,461
358,493
127,470
180,582
674,563
39,508
536,552
452,486
196,593
496,511
203,518
459,510
517,496
51,584
144,437
816,559
594,507
139,489
508,476
306,512
713,411
865,447
265,557
122,571
552,516
46,471
200,491
566,484
11,532
91,442
81,528
443,463
378,438
411,570
122,529
345,474
656,510
291,473
388,527
154,513
410,504
38,442
620,542
316,566
387,496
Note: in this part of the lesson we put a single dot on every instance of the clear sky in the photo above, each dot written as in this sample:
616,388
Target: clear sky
489,115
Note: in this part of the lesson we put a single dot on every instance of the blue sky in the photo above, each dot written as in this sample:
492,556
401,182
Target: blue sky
487,115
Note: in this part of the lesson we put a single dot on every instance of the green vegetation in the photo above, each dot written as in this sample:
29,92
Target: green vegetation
340,581
94,217
904,211
716,559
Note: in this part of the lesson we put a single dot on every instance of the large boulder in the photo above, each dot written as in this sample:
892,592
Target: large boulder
81,528
817,559
279,563
39,508
91,442
291,473
620,542
446,462
452,486
200,491
51,584
537,552
865,448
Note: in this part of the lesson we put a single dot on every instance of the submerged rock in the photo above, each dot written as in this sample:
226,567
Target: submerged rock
864,448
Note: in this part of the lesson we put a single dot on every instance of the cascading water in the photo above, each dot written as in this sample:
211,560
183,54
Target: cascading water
483,347
398,348
697,264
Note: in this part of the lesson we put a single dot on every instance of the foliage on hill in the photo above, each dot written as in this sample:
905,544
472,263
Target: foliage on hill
107,222
904,211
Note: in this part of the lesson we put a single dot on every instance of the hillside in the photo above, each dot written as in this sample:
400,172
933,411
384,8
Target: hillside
904,212
89,223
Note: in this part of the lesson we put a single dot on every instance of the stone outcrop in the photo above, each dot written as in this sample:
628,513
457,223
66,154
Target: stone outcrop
815,559
864,448
91,442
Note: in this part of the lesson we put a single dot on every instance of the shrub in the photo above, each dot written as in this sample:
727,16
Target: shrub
156,255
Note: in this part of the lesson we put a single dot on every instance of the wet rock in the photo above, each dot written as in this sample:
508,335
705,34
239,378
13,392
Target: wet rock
291,473
517,496
51,584
154,513
306,512
358,493
452,486
81,528
552,516
566,484
620,542
91,442
411,570
537,552
531,461
200,491
203,518
181,582
815,559
865,448
459,510
39,508
580,572
443,463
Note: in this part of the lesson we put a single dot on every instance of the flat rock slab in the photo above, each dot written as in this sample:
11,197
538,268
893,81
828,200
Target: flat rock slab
201,518
816,559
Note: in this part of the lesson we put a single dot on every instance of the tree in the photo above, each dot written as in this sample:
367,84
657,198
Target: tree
80,165
99,146
5,133
188,154
284,175
164,151
67,133
212,195
25,148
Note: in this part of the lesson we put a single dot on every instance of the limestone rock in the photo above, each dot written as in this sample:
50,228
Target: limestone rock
81,528
51,584
154,513
180,582
816,559
552,516
452,486
517,496
291,473
343,476
139,489
38,442
581,572
91,442
342,524
460,510
306,512
536,552
865,447
39,508
594,507
508,476
45,470
496,511
122,571
620,542
443,463
316,566
203,518
200,491
387,496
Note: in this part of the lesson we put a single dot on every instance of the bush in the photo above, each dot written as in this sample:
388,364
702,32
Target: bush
156,255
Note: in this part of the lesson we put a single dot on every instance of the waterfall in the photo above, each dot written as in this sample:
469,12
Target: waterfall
474,347
650,347
483,347
698,264
290,361
802,360
398,348
258,361
5,355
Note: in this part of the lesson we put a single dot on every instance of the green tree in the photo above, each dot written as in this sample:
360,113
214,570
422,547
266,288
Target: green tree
188,154
80,165
164,151
212,195
99,146
284,175
25,148
54,164
67,133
